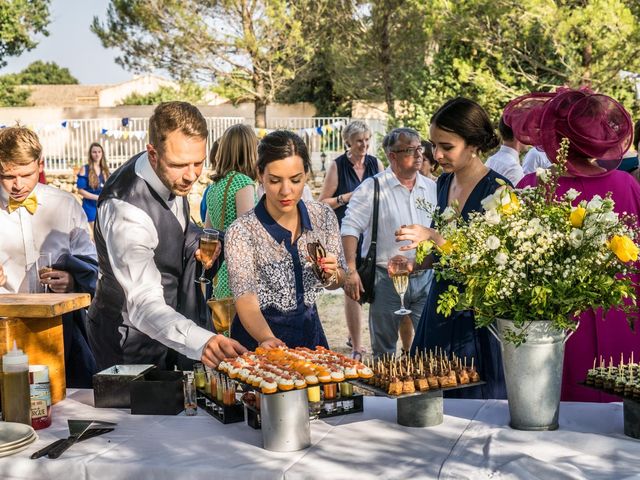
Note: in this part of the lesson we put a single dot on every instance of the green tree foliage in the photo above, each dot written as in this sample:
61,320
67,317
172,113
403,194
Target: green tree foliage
494,50
11,94
19,20
251,48
12,90
45,73
188,92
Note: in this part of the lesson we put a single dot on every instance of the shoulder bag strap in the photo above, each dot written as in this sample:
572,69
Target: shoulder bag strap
223,214
374,227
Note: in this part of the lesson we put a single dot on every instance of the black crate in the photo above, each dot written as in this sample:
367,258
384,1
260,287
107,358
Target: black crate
112,387
218,410
158,392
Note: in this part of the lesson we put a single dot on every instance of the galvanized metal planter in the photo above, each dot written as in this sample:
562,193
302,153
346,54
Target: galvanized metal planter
533,373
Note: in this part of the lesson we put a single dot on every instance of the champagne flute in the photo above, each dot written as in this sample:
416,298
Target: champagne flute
43,265
398,268
208,245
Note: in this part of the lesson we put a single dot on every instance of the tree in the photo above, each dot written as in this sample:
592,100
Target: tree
19,19
251,48
11,94
46,73
187,92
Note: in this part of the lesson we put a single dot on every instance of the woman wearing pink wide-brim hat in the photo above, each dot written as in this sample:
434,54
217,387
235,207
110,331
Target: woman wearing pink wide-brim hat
599,131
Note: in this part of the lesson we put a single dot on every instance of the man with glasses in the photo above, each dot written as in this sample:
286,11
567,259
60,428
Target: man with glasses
401,189
146,244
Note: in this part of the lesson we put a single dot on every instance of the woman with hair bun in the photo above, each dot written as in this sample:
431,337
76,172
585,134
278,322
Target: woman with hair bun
460,133
266,250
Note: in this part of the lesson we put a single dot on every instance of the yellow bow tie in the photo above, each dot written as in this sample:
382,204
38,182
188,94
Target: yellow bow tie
30,203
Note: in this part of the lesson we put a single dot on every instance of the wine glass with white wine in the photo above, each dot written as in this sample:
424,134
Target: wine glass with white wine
399,270
208,245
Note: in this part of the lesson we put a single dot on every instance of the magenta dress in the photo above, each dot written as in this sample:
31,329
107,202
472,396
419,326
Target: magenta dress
611,335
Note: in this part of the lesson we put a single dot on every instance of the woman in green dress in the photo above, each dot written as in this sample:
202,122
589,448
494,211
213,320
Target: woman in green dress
233,191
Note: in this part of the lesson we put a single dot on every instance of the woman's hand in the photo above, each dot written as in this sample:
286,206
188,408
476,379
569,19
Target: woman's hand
416,234
272,342
329,265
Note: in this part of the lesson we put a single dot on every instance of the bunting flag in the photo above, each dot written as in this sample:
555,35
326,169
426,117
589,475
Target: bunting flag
309,131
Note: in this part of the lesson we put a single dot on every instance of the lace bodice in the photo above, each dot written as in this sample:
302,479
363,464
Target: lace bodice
261,265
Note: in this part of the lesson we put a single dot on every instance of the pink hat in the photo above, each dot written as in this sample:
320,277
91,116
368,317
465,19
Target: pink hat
596,125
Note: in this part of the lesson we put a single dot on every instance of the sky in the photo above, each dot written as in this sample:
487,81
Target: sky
71,44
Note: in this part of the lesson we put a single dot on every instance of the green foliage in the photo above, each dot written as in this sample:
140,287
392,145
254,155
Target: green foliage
253,48
188,92
45,73
11,94
494,50
19,20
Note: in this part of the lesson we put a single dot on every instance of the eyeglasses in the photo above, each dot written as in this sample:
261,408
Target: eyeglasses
411,150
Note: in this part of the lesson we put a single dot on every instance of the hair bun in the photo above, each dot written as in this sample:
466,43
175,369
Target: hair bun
490,142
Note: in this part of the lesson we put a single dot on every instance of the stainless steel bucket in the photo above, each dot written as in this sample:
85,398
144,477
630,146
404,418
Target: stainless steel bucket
533,373
285,421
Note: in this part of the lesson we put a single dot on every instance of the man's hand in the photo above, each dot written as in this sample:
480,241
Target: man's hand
218,348
353,286
3,277
216,254
59,281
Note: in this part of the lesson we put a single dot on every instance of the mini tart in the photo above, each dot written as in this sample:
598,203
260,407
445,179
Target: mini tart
285,384
365,372
268,386
350,372
300,384
337,376
311,379
324,376
257,381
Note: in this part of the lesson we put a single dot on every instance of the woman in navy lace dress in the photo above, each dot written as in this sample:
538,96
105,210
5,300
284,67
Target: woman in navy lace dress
273,283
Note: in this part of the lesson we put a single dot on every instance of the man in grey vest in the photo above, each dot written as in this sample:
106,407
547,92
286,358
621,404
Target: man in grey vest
141,233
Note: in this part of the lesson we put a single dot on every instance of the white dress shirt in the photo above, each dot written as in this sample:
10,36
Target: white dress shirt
58,226
131,238
397,207
533,160
506,162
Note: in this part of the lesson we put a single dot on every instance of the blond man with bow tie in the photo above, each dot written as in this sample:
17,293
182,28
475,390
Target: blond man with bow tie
35,218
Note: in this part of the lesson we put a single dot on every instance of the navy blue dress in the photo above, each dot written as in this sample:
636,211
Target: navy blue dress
298,328
348,180
457,333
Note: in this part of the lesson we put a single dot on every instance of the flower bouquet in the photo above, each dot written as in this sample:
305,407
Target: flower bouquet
531,256
527,267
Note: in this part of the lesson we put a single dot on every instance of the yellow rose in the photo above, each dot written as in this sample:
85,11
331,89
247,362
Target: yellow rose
446,247
624,248
513,205
577,216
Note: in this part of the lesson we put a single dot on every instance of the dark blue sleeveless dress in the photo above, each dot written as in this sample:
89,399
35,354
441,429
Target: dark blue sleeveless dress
457,333
348,180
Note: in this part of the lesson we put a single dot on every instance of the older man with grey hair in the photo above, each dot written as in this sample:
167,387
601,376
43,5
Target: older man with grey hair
401,188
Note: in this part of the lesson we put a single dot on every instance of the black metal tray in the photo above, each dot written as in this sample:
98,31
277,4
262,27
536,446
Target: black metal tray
381,393
224,413
609,392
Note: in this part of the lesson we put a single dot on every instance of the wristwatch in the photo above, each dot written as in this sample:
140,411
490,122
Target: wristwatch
339,200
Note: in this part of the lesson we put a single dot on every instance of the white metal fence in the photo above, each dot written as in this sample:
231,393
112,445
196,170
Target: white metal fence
66,144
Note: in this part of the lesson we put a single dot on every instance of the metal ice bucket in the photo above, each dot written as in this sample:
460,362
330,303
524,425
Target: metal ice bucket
285,421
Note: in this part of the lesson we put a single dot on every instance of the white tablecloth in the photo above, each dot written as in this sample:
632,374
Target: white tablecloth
473,442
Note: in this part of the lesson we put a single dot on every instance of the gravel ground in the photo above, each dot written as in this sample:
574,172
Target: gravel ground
331,311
